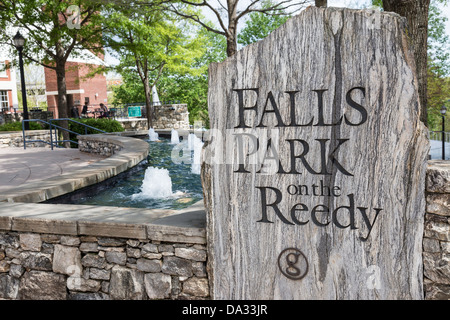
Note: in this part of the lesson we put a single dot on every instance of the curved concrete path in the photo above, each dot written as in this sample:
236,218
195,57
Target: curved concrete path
37,174
19,167
40,174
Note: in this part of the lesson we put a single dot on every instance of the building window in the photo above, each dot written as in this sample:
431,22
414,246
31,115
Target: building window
4,102
3,70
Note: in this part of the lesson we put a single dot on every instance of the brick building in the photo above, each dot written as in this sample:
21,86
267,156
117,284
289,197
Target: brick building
8,88
79,88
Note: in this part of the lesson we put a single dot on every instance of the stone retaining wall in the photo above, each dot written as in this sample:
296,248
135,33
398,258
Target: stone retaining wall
15,139
59,267
436,241
97,146
167,116
16,117
171,116
133,124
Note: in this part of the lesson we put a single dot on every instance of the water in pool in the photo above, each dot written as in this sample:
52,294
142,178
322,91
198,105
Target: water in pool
160,184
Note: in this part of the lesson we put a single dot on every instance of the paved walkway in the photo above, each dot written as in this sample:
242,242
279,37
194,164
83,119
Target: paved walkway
19,167
436,150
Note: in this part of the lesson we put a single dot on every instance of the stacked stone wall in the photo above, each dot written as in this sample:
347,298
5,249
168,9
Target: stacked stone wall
436,241
171,116
103,148
36,266
15,139
15,117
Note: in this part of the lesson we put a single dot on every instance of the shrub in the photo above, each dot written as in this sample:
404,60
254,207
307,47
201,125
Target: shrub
104,124
17,126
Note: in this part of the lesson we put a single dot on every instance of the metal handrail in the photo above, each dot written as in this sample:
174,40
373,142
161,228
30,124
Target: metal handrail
24,138
437,135
55,127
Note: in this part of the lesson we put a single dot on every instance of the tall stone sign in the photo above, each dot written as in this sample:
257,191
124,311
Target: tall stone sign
314,170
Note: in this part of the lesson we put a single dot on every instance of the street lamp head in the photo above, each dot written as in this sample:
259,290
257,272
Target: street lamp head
443,110
19,40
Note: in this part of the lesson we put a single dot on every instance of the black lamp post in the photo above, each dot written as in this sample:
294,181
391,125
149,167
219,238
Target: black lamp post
443,111
19,42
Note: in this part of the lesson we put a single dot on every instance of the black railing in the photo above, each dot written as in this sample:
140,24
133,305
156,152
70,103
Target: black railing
439,136
55,141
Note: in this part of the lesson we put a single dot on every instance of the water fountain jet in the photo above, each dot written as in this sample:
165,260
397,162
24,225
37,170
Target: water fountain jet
152,135
156,184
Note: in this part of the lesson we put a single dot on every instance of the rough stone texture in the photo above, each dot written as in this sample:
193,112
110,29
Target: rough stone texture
4,266
15,139
196,287
438,203
111,242
93,260
37,261
9,240
67,260
9,287
31,242
99,274
436,242
332,63
88,296
116,257
191,254
16,270
32,114
98,147
158,285
133,253
436,291
437,267
97,268
40,285
438,177
177,266
134,124
171,116
89,247
83,285
126,284
149,265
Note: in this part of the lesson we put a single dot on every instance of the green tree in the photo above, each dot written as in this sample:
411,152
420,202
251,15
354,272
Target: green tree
131,90
259,25
54,30
149,41
435,87
416,14
438,40
193,90
438,91
228,14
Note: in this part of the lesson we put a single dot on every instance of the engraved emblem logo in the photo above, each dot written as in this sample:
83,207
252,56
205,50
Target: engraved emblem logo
293,264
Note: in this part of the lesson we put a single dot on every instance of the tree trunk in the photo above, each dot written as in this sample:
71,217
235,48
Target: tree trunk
416,13
321,3
62,99
232,28
231,45
148,103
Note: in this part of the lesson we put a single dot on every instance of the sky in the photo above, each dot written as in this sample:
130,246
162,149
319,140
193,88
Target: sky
356,4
